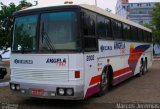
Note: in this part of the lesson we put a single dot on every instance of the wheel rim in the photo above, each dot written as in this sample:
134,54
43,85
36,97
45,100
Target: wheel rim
141,69
104,81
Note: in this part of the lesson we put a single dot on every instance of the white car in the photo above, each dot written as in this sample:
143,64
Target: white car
5,54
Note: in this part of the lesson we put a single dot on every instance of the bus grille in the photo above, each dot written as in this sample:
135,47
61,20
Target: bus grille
39,75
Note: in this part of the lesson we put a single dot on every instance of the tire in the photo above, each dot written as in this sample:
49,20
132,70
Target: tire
145,67
141,70
104,83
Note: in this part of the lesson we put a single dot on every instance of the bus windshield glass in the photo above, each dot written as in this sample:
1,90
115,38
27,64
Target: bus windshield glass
56,31
59,31
25,33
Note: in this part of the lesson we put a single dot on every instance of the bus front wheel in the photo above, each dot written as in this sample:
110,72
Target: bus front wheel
104,83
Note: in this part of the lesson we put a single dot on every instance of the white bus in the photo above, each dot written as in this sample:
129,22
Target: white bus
75,51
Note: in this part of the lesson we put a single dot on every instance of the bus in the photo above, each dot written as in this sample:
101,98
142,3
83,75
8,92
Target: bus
75,51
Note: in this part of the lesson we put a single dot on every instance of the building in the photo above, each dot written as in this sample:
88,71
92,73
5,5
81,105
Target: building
137,12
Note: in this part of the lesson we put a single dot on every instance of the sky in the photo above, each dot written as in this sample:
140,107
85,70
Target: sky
110,4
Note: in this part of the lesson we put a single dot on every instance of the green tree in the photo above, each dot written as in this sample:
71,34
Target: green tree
156,23
6,20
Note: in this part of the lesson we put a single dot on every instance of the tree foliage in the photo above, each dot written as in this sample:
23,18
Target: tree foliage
156,23
6,20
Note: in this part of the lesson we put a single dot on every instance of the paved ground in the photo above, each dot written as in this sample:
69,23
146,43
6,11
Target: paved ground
145,89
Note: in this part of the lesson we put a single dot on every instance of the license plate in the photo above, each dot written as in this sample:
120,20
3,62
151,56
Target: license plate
37,92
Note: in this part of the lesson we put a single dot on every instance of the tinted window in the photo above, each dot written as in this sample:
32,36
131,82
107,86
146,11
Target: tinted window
126,32
108,27
134,33
88,27
145,36
140,35
101,26
89,23
116,29
149,36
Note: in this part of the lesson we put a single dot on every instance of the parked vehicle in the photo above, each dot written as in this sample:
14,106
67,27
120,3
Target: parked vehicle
3,72
5,53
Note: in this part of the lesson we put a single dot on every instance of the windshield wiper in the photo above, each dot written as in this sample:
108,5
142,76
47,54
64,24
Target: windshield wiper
47,39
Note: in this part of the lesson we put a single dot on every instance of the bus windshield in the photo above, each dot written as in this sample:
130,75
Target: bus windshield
25,33
57,31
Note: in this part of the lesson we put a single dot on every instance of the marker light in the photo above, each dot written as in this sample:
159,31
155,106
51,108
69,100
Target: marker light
77,74
66,2
70,2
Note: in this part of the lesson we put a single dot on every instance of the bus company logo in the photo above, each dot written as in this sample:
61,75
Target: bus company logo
16,61
105,48
119,45
57,61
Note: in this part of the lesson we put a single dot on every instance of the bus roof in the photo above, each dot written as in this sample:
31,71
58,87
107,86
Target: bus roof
97,10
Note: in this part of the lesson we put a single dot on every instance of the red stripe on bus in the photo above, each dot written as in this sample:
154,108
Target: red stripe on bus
121,71
95,79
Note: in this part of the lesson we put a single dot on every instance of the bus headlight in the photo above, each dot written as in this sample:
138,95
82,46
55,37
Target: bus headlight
13,87
61,91
69,92
17,87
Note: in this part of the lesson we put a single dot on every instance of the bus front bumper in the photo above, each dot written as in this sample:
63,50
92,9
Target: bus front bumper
48,91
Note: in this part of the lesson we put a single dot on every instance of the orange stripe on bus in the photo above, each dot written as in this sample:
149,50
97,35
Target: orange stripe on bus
95,79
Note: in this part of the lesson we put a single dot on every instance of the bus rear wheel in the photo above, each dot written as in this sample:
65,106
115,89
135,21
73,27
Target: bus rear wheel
141,71
104,83
145,67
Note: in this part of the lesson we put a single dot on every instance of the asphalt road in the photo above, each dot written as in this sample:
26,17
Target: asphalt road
129,94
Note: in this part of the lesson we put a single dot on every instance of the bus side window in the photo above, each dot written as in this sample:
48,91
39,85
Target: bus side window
108,28
126,32
140,35
134,34
116,29
101,27
90,40
145,36
149,36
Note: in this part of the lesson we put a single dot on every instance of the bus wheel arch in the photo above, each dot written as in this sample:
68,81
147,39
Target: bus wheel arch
108,73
